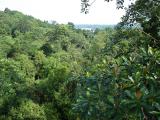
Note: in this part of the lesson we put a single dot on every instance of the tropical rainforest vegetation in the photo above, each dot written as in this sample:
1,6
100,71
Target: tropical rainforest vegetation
56,72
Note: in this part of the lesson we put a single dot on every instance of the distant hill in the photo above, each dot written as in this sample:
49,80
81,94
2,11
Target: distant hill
92,26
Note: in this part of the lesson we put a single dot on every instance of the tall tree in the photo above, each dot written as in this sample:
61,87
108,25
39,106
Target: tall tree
147,14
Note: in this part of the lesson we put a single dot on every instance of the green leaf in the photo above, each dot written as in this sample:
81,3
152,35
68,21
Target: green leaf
155,113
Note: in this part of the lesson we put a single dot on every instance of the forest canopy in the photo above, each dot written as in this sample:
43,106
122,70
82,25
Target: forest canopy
51,71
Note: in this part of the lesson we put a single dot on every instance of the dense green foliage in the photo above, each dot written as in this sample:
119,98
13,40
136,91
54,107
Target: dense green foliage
147,15
57,72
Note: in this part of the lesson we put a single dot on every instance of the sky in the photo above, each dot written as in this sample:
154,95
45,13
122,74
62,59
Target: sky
64,11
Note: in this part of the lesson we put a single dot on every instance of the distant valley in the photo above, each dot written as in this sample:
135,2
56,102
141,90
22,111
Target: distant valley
92,26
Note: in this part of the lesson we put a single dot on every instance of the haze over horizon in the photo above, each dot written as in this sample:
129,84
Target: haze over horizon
66,11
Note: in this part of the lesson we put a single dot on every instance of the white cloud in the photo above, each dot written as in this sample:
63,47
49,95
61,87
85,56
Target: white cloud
64,11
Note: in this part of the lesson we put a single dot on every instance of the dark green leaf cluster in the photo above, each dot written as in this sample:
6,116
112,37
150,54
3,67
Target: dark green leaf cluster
145,14
124,84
